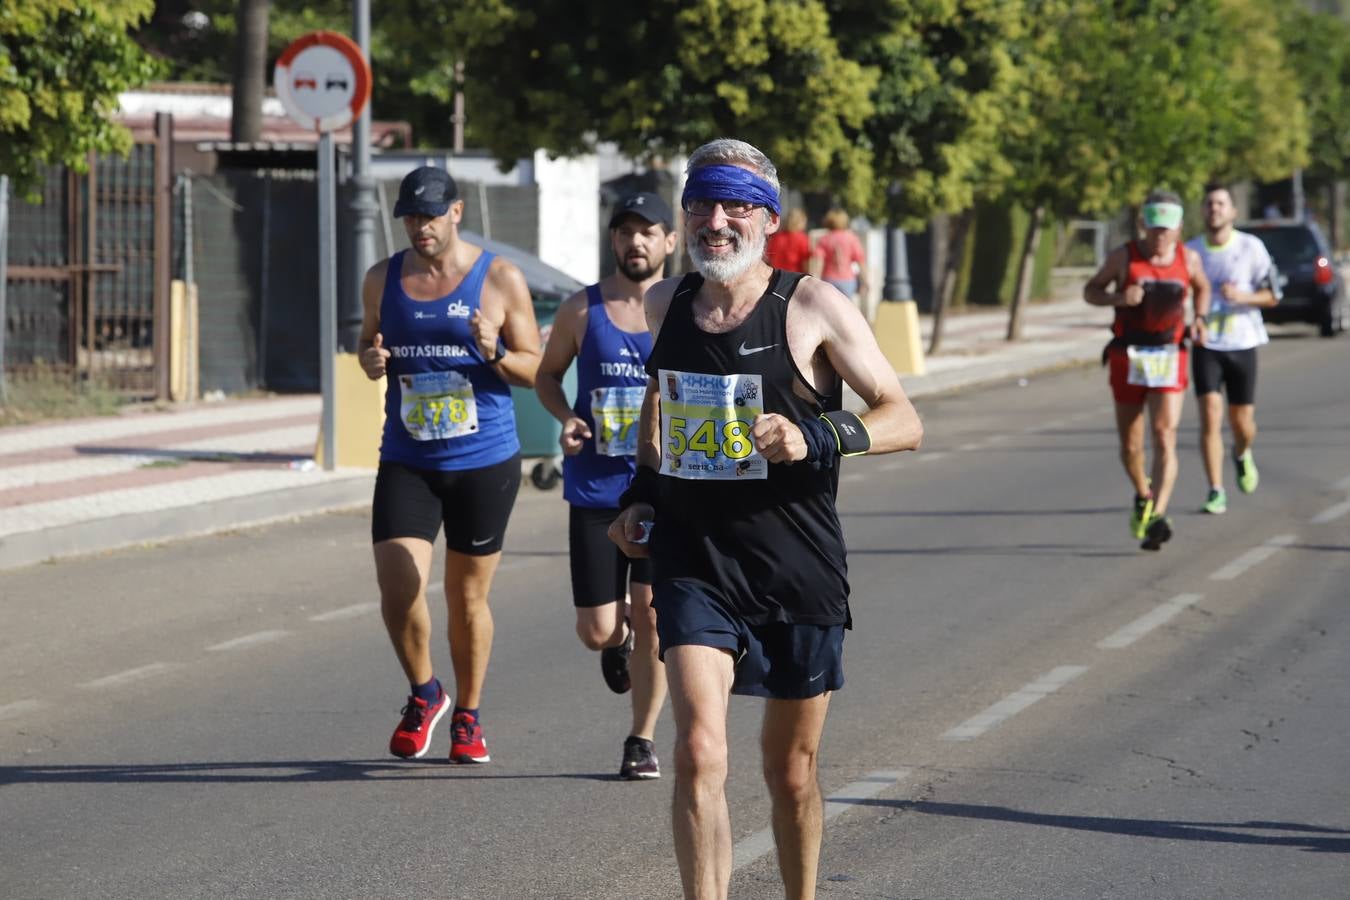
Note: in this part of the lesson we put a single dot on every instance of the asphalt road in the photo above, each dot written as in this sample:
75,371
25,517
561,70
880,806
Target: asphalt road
1035,707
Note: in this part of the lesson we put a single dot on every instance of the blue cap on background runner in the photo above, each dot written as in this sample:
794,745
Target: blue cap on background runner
426,191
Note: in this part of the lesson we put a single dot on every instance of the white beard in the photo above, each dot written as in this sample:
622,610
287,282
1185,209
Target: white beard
724,269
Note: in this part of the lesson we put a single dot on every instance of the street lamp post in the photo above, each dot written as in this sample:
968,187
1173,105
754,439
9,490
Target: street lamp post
896,285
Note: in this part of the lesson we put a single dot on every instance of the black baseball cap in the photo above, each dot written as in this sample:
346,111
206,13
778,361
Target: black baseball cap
644,205
426,191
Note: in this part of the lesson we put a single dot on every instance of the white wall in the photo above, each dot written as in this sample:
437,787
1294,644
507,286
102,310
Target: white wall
569,217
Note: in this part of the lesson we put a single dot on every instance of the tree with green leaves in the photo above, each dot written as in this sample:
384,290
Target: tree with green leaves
1318,47
1124,97
62,65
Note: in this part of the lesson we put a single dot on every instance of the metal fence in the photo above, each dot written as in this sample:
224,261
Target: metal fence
87,279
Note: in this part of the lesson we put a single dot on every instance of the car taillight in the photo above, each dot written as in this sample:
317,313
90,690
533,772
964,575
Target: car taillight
1322,274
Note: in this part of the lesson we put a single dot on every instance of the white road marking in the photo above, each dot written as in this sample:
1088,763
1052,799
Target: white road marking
852,476
752,847
1141,626
966,448
932,457
137,674
1014,703
1332,513
892,465
249,640
18,708
346,612
1252,557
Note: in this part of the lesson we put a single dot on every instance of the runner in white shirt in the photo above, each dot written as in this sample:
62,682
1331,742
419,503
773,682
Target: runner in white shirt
1244,279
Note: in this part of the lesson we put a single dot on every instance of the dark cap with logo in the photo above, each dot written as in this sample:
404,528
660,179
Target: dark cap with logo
426,191
644,205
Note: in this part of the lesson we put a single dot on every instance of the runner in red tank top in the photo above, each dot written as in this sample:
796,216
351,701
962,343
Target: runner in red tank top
1148,281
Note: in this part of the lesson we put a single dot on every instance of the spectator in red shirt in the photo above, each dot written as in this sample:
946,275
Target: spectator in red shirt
789,248
839,257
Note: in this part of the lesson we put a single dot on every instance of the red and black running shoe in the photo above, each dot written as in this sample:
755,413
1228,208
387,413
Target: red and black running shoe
412,737
466,740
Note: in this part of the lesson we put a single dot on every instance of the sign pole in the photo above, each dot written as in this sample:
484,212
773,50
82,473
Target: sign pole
327,299
323,81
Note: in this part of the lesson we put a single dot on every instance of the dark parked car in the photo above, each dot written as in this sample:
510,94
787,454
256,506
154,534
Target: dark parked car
1314,291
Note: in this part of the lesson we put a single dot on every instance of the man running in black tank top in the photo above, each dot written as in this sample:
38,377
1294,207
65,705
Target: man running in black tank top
742,435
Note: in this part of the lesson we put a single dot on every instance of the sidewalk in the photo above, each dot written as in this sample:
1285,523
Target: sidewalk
144,476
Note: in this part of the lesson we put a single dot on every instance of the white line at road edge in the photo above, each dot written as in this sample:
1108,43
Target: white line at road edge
1332,513
18,708
1141,626
249,640
1014,703
130,675
1252,557
346,612
932,457
750,848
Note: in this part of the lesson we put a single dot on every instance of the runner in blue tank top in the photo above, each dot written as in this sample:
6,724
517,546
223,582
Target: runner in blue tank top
739,444
604,330
453,328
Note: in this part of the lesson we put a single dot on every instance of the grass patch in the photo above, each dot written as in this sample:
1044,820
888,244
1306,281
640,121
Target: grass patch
47,393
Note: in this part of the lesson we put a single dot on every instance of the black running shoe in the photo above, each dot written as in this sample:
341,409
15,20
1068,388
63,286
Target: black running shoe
1159,532
639,760
614,663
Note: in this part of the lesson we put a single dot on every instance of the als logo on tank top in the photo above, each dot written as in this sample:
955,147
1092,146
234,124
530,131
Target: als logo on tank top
458,310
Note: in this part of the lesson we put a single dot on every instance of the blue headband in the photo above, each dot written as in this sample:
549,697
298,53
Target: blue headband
730,183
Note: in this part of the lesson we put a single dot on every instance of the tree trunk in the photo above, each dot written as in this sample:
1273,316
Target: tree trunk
250,70
955,229
1026,270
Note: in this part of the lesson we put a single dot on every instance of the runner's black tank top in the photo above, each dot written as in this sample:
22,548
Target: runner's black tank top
772,548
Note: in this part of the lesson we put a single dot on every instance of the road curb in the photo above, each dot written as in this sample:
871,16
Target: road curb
117,532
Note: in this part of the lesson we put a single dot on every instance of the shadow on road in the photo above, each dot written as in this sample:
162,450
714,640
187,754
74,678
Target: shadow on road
268,772
1311,838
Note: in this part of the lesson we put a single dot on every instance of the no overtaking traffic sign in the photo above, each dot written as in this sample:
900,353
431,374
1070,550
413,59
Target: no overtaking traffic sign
323,80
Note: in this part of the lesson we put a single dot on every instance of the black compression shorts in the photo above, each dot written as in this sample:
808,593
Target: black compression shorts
1234,370
473,505
600,571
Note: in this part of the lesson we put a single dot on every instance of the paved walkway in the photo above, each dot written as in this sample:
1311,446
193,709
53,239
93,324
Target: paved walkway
89,485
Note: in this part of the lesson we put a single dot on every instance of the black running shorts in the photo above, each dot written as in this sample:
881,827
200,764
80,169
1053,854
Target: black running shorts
473,505
781,660
1234,370
600,571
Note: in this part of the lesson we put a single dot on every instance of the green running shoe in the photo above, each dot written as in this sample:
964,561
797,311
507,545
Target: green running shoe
1216,503
1140,515
1248,477
1159,532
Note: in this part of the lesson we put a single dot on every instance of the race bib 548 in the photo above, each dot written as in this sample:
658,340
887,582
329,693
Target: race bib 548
705,426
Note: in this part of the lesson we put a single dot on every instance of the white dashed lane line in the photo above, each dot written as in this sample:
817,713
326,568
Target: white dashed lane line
1014,703
140,673
750,848
354,611
249,640
932,457
18,708
1253,557
1332,513
1141,626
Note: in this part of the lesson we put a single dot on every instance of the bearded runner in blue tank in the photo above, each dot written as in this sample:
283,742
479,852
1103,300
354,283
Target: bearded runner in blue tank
741,436
453,327
603,328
